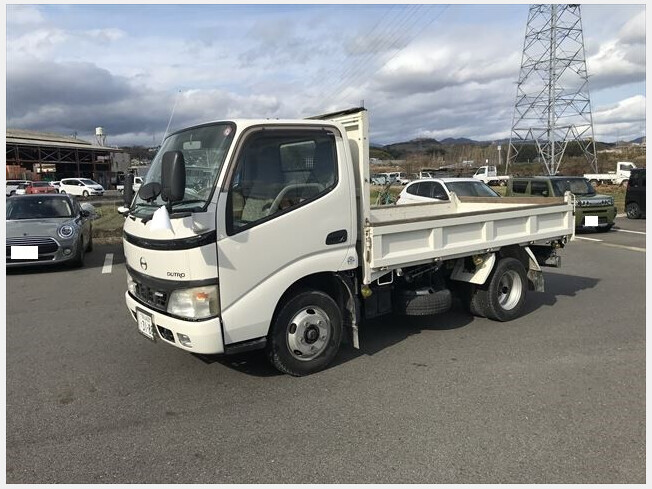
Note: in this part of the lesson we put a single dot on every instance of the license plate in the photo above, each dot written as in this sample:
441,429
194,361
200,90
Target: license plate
145,324
24,252
590,220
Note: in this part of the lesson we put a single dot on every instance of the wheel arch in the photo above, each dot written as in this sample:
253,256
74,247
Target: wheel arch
340,287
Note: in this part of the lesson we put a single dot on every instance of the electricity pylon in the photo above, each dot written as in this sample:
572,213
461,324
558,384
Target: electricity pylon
553,106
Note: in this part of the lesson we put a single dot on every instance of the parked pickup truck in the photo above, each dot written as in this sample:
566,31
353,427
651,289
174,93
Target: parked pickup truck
592,210
283,251
489,175
618,177
138,181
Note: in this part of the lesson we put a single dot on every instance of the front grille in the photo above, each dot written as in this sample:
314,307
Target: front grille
153,297
46,245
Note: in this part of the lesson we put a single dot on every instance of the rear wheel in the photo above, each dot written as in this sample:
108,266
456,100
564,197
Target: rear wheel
306,334
633,210
502,297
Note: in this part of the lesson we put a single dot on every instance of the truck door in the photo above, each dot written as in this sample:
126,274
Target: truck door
286,211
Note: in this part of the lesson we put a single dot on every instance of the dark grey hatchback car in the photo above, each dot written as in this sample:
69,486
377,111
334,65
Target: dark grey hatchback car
46,229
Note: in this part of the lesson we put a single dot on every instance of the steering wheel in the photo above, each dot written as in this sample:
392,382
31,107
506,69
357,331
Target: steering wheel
276,203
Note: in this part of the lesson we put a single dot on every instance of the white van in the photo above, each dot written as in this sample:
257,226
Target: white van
80,186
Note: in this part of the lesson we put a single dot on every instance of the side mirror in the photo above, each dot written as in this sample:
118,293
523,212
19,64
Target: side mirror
173,177
440,196
149,191
128,194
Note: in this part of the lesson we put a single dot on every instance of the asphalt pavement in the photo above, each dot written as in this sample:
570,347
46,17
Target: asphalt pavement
557,396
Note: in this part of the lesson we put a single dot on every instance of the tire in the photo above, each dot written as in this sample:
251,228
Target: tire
89,246
78,261
502,297
85,193
422,302
633,210
594,183
305,334
62,191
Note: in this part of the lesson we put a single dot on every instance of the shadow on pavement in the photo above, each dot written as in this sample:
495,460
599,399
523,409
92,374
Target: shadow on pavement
381,333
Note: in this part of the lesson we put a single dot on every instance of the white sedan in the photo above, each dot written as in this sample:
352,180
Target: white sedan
439,189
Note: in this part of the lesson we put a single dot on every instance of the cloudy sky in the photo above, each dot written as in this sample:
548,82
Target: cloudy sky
423,70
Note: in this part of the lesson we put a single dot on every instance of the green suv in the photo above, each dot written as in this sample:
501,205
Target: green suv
592,211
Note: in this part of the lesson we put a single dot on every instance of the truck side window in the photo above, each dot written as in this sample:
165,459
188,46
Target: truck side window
277,171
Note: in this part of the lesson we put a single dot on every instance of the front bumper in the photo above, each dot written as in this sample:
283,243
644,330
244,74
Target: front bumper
205,335
606,216
50,251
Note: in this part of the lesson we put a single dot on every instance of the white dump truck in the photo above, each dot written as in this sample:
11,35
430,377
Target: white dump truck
277,247
618,177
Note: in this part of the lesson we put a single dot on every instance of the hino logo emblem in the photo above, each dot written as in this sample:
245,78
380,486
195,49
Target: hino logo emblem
143,263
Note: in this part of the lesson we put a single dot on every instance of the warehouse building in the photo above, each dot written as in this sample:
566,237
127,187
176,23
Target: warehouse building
33,155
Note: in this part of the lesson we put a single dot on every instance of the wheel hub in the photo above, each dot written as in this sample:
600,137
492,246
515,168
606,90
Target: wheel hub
308,333
511,288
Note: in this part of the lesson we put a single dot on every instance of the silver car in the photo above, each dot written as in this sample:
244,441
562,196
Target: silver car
47,229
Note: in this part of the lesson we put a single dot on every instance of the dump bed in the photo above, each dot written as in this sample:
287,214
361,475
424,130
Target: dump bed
406,235
393,236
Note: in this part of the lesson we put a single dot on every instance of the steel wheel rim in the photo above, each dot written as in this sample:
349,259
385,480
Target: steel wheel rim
510,289
308,333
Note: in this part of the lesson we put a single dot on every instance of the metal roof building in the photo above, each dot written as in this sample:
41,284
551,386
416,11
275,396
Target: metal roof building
48,156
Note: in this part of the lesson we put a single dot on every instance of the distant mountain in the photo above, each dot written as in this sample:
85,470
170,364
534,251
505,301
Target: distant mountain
458,141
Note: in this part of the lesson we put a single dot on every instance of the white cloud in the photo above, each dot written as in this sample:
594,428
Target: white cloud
633,32
37,44
24,15
624,120
106,35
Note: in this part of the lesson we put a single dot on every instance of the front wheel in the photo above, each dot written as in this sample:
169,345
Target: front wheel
85,193
502,297
306,334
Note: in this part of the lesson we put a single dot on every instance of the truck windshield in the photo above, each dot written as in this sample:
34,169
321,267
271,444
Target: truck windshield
204,149
577,186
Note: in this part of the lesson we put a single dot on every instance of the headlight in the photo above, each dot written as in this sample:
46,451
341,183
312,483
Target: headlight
131,285
195,303
66,231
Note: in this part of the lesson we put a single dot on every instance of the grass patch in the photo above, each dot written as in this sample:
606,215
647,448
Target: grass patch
108,222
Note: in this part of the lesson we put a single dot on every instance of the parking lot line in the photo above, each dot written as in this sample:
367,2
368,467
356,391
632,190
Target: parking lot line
587,239
628,231
623,247
108,263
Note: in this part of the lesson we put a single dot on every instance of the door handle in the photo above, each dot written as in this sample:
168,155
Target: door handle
337,237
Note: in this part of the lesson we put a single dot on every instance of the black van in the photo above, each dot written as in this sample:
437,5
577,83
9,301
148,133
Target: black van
635,196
